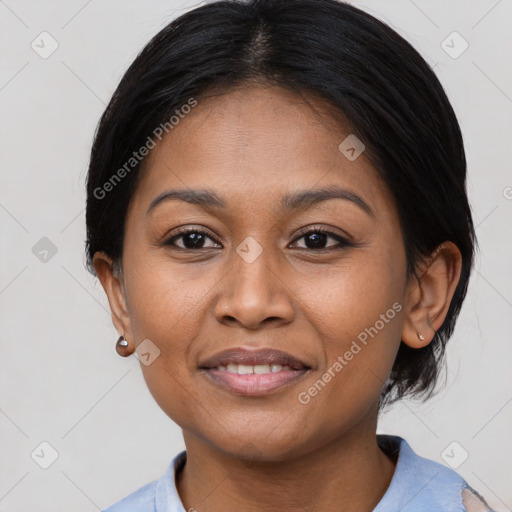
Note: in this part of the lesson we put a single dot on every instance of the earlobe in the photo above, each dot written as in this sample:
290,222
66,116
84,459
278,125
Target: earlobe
430,295
112,282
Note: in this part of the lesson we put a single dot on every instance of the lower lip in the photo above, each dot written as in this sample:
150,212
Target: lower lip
253,384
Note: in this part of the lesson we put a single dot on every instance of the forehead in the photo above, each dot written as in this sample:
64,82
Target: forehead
257,142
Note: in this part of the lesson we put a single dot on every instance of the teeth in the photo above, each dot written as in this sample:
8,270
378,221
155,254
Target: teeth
247,369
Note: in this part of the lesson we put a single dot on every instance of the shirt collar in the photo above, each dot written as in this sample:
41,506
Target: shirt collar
410,485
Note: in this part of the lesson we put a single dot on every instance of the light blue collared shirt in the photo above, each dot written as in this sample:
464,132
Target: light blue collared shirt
418,485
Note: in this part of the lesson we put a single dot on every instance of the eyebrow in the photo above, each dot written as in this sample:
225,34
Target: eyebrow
302,199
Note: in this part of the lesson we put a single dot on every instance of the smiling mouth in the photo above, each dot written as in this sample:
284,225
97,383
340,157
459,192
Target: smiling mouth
256,359
248,369
253,372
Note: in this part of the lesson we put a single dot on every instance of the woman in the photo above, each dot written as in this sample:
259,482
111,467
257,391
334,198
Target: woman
277,212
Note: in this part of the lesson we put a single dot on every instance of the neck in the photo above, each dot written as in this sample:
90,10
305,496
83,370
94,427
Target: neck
350,473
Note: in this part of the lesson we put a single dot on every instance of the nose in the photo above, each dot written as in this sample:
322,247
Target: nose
254,293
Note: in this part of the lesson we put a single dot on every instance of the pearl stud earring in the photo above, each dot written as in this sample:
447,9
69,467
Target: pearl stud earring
122,347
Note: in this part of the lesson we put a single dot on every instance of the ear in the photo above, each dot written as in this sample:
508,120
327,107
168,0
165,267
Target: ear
112,281
430,295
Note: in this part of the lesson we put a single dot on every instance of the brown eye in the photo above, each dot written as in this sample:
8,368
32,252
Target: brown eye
191,239
317,239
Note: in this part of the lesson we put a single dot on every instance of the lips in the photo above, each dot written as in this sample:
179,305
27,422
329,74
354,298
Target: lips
253,372
253,357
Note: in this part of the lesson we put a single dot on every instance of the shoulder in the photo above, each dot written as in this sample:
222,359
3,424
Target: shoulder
141,500
156,496
423,485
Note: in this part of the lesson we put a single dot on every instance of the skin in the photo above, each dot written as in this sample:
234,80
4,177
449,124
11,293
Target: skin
251,146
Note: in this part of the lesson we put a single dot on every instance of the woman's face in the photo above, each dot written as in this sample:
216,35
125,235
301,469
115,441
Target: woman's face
264,275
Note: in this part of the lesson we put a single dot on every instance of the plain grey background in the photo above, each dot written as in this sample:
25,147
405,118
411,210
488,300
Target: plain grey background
61,381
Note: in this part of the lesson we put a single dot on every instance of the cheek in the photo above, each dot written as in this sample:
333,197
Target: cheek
165,299
352,296
358,313
167,306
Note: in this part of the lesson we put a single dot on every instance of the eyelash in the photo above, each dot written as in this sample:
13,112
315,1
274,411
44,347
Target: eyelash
342,242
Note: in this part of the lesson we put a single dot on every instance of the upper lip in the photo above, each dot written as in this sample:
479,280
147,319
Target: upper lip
253,357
